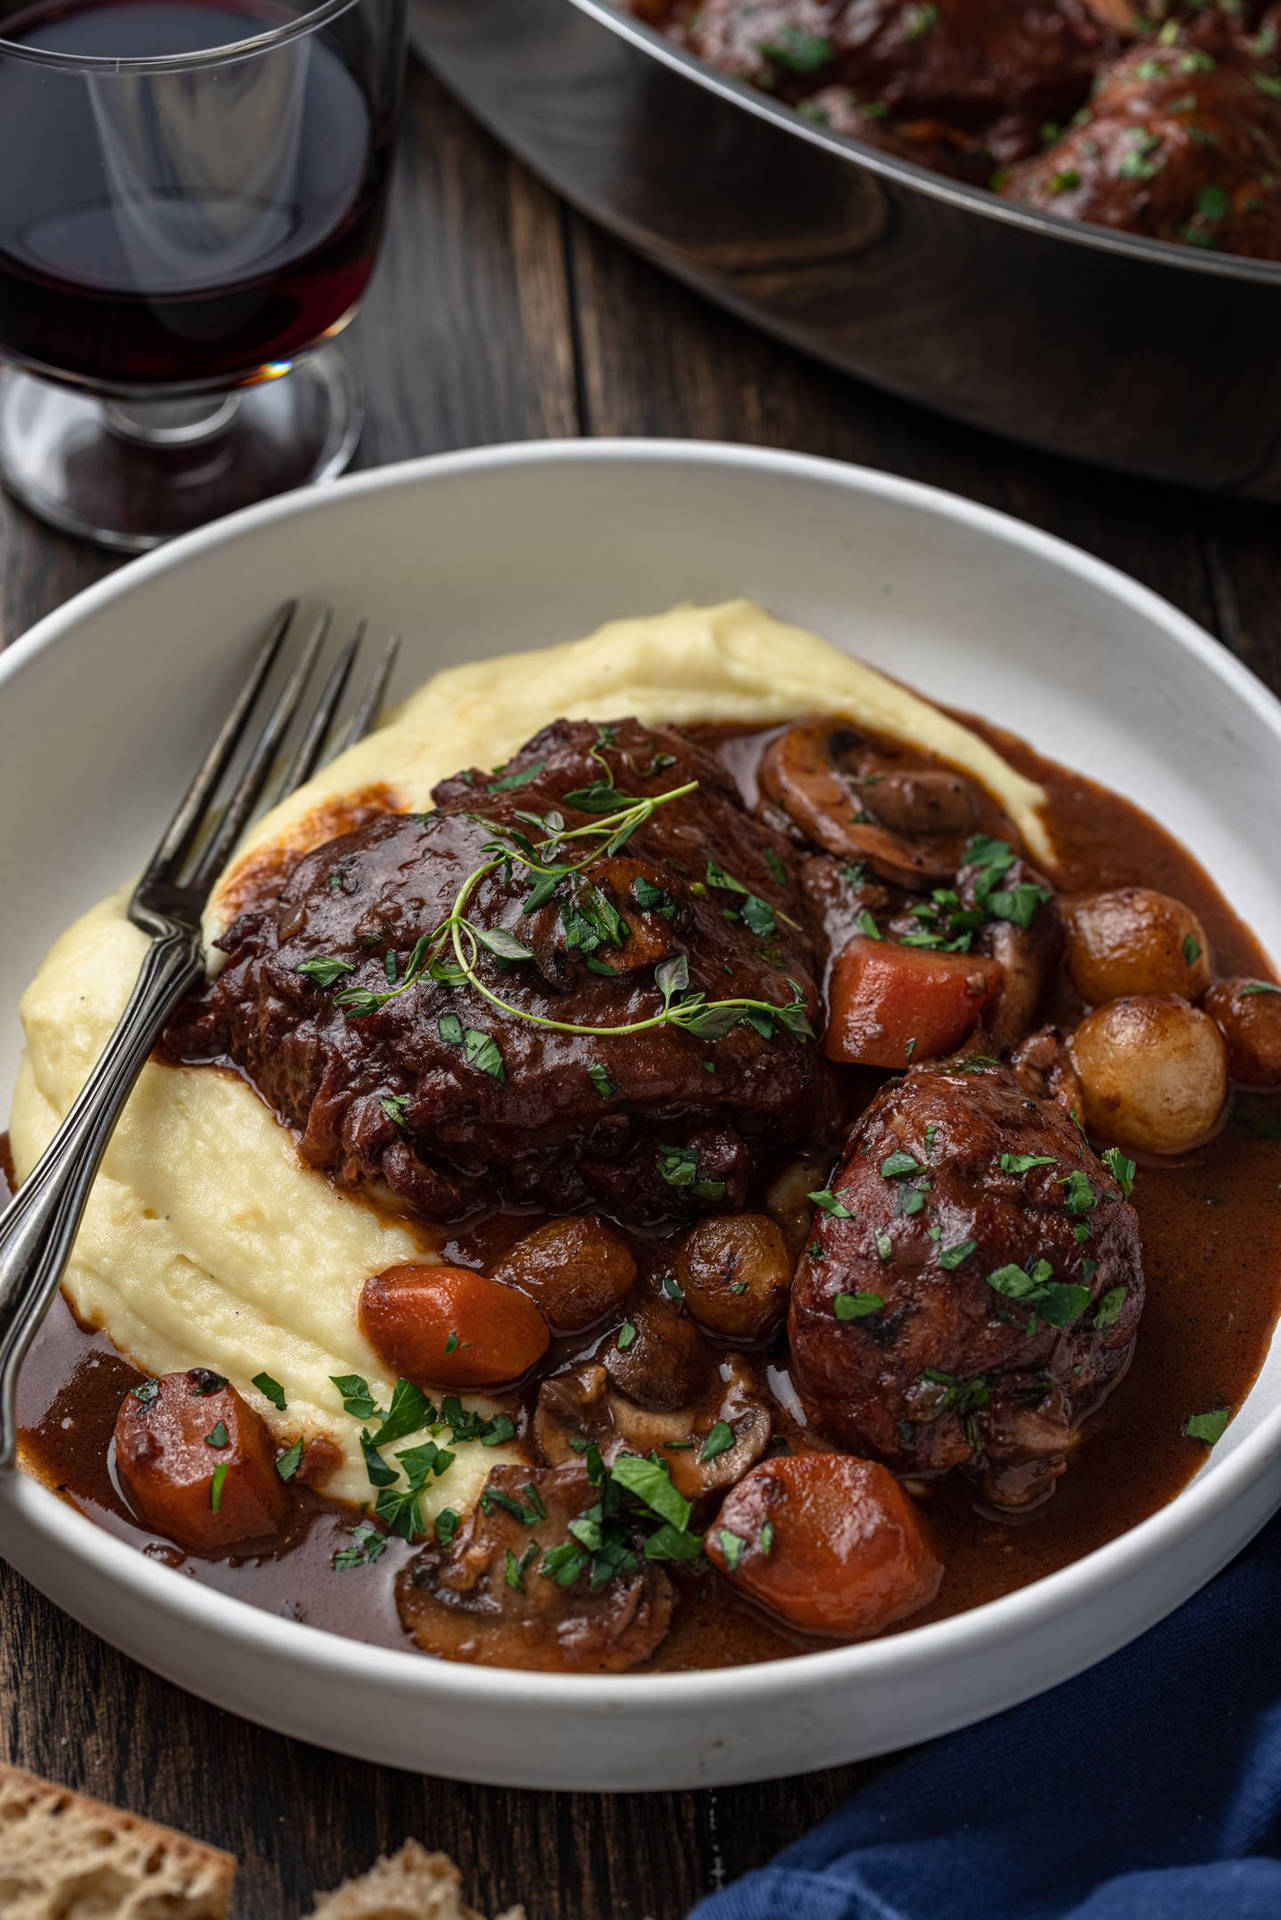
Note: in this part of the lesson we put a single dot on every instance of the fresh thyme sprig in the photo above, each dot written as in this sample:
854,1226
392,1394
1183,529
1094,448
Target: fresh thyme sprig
450,952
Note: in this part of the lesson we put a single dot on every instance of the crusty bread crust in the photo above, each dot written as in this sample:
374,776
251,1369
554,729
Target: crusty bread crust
63,1857
412,1885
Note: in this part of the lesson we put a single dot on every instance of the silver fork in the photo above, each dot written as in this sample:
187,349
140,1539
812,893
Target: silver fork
39,1226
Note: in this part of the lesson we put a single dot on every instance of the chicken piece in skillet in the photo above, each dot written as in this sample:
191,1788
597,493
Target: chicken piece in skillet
968,64
595,886
1178,142
973,1288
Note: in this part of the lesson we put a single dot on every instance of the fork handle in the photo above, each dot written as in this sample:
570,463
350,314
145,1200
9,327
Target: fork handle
38,1228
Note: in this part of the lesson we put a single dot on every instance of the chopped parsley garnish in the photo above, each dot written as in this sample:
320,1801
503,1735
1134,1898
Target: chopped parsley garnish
950,1257
410,1409
216,1485
510,781
1257,986
884,1245
798,51
827,1200
766,1539
271,1390
673,1288
899,1165
856,1306
287,1464
324,969
719,1440
1024,1162
146,1392
219,1437
678,1166
356,1398
731,1545
367,1543
452,1341
1079,1196
1207,1427
1192,947
396,1107
1056,1302
1121,1169
514,1570
626,1335
446,1523
1108,1310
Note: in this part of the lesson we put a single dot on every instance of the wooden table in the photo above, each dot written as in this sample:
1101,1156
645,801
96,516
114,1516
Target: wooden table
498,314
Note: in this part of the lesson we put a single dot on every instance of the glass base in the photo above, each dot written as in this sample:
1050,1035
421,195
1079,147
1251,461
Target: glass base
131,474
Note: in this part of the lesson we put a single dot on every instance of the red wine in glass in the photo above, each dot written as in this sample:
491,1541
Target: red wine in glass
191,231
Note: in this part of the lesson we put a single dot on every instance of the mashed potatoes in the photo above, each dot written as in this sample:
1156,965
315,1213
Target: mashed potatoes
207,1241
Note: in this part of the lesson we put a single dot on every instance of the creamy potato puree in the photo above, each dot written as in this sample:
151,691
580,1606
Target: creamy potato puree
207,1241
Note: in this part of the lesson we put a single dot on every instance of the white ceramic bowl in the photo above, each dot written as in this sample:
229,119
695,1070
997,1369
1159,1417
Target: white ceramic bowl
102,709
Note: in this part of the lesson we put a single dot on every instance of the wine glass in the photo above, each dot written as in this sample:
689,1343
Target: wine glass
193,195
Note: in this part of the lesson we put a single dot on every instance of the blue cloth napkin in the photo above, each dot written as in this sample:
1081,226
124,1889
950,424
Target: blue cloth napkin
1147,1789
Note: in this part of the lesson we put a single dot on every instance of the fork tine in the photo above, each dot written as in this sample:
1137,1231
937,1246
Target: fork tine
366,714
186,822
312,744
255,774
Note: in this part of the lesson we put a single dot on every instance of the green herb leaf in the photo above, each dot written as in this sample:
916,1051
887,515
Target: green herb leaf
511,781
1024,1162
324,969
481,1050
856,1306
446,1523
410,1409
356,1398
219,1437
602,1079
899,1165
951,1257
450,1028
1108,1310
287,1464
1121,1169
626,1335
828,1201
367,1543
719,1440
498,940
731,1545
271,1390
1208,1427
650,1482
216,1485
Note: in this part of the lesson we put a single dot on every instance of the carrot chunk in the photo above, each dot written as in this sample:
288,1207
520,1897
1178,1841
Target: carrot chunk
451,1326
891,1005
829,1542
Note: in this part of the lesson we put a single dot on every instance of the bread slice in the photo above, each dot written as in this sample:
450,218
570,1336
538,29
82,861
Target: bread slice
412,1885
63,1857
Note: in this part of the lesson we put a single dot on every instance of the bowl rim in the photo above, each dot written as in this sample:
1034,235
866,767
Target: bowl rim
936,186
897,1656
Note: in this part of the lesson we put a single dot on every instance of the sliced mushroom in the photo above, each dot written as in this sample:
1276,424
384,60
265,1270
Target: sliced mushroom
909,823
579,1407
